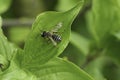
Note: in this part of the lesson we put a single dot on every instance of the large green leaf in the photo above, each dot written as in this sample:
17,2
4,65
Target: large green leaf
55,69
104,19
4,5
37,49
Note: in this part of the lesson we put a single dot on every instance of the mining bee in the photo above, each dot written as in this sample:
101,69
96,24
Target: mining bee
55,38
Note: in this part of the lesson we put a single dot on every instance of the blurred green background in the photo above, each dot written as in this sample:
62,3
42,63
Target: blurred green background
18,16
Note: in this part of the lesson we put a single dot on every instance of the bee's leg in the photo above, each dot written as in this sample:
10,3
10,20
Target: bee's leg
55,31
54,43
47,40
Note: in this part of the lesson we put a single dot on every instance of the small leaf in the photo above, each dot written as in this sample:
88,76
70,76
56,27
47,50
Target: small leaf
39,50
4,5
80,42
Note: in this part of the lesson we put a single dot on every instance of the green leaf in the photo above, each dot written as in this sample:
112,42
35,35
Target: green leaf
15,73
113,49
80,42
59,69
39,50
6,51
55,69
104,19
95,68
104,22
110,70
4,5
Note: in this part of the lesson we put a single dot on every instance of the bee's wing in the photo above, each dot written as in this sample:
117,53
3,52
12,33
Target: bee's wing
54,43
57,27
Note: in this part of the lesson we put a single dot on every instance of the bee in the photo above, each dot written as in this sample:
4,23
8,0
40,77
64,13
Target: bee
55,38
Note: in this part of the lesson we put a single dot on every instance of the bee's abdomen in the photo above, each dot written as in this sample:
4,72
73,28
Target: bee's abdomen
56,38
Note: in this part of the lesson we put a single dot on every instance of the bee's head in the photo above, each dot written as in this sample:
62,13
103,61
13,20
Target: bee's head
43,34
